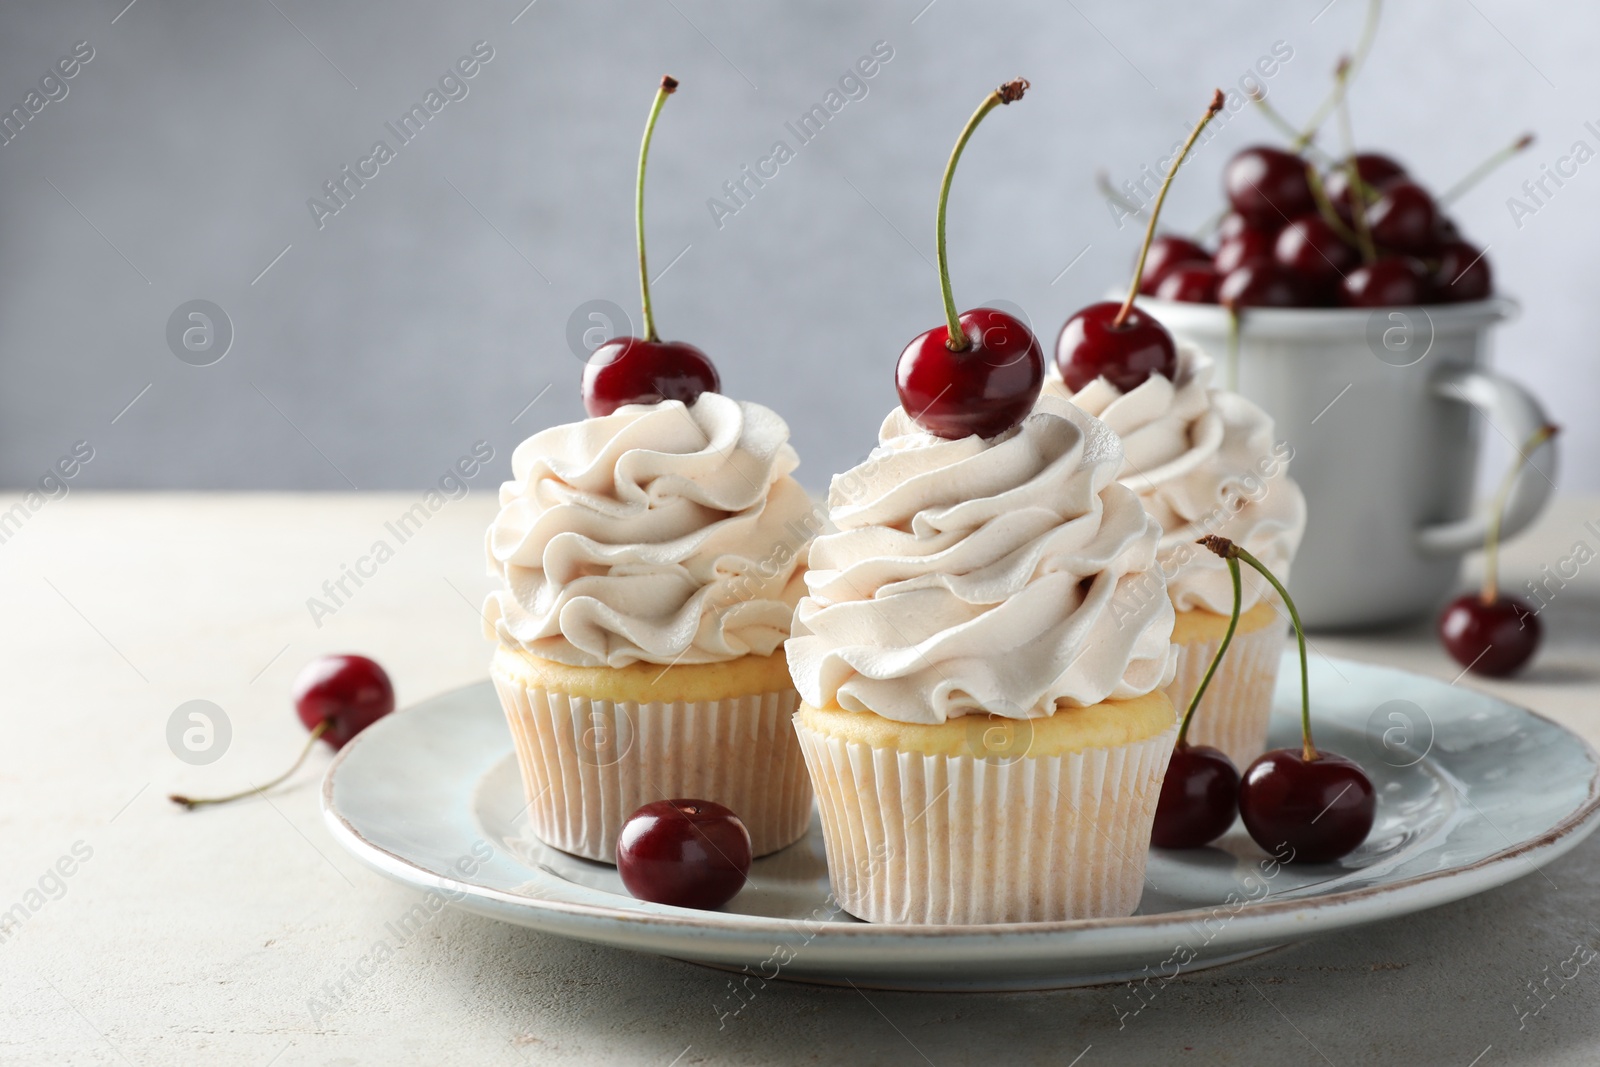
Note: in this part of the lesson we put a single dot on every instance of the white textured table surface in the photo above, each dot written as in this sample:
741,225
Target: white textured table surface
203,937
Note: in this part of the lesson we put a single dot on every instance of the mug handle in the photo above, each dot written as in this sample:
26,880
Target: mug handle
1511,408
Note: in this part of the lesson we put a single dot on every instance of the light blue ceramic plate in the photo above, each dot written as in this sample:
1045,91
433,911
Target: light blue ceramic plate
1473,792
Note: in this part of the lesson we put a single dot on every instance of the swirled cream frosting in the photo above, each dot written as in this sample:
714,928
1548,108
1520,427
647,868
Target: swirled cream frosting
1011,576
1203,461
662,533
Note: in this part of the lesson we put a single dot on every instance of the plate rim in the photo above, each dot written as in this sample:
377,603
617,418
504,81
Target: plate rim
1581,818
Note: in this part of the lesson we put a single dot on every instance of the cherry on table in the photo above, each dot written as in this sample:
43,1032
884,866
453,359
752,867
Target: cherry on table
985,388
1393,281
1490,637
686,853
1267,186
1463,274
1321,808
336,697
347,692
631,370
1191,283
1167,253
1405,219
1263,283
1199,798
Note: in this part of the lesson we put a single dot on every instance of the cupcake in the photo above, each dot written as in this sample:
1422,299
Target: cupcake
981,655
650,562
1203,461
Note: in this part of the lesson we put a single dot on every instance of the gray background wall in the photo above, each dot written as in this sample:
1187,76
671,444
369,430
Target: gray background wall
428,312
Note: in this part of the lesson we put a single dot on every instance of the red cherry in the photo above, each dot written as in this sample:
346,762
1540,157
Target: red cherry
1375,170
336,698
1120,342
1192,283
1166,254
1394,281
984,389
1321,808
1199,798
1090,347
1312,248
1247,244
1490,637
1263,283
349,693
627,370
1463,274
988,381
1267,186
685,853
1405,219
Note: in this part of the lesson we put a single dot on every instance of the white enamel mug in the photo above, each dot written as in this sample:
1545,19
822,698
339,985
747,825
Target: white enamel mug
1385,410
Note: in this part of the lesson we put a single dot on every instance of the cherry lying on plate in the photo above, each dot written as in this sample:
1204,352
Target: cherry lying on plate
687,853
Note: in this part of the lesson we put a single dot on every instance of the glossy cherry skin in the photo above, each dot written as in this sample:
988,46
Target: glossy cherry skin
1264,283
1394,281
1249,243
1405,219
1166,253
1307,811
985,389
628,370
1312,248
1376,171
1199,798
1493,639
1192,283
1267,186
1233,224
686,853
1463,274
349,693
1089,347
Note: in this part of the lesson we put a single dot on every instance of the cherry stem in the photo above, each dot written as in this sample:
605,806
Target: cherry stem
190,803
1230,551
1235,325
1497,511
1358,198
1155,209
1011,90
1335,97
1319,193
669,85
1227,639
1484,169
1102,182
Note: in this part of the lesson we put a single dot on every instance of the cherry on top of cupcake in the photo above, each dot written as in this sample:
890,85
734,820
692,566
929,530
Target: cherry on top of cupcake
1118,342
981,371
1303,228
647,370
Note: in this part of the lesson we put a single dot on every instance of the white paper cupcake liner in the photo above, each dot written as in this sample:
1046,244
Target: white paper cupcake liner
944,840
1237,707
589,764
